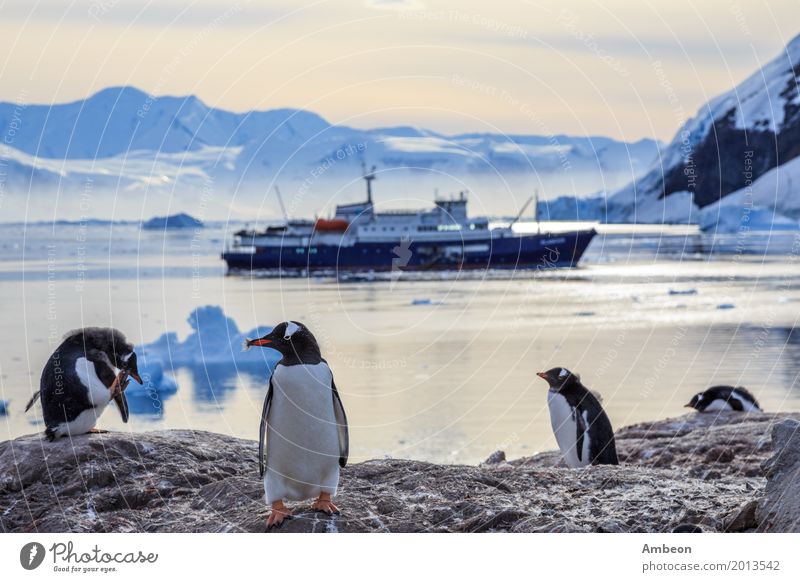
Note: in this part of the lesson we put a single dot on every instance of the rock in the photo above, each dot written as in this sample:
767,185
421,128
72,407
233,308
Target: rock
174,221
194,481
744,519
495,458
779,508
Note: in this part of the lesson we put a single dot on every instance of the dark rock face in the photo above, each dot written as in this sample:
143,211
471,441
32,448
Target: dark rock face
699,469
779,509
716,167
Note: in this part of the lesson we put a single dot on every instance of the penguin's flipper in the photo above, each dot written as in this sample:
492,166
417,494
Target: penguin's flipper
262,432
341,426
581,429
735,403
33,400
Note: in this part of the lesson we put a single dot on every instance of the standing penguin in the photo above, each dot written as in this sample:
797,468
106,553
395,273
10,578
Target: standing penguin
580,424
87,371
724,398
303,439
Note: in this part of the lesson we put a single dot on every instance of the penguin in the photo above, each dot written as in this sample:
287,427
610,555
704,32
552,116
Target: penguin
724,398
580,424
303,437
87,371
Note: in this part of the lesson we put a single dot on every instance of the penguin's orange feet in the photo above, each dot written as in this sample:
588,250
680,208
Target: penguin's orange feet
278,515
324,504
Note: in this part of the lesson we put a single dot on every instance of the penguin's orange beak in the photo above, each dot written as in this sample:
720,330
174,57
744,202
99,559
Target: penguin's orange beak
258,342
542,375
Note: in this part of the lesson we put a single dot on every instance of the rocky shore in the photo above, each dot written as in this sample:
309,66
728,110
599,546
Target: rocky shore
732,472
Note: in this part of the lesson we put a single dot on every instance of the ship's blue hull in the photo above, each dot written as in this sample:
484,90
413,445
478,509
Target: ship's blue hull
511,252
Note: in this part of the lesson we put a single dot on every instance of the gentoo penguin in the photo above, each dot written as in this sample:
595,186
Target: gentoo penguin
582,429
87,371
721,398
303,438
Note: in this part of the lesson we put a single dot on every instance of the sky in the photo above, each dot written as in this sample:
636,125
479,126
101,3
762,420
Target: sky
619,68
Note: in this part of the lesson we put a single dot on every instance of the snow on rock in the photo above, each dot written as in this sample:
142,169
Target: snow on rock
734,138
175,221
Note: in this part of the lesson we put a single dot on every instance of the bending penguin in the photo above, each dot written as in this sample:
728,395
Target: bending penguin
303,438
87,371
580,424
722,398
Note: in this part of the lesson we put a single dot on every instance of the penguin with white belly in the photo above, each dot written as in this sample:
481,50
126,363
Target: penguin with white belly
582,428
83,375
303,438
724,398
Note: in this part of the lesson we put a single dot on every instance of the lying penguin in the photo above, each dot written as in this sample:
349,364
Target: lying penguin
724,398
303,438
581,426
87,371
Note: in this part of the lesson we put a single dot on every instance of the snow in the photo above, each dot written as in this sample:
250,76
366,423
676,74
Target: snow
757,104
767,204
123,139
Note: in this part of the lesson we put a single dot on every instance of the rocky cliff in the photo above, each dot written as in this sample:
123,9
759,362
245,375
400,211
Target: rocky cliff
719,472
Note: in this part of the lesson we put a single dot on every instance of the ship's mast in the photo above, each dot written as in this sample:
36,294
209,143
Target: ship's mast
368,177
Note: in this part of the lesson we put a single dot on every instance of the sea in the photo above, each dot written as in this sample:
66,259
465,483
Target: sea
438,367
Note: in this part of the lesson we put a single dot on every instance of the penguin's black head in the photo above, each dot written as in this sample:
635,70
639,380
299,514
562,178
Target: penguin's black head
696,402
111,342
292,339
559,378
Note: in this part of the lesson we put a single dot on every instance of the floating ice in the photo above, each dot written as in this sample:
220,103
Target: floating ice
683,291
726,306
3,407
425,301
215,339
175,221
212,353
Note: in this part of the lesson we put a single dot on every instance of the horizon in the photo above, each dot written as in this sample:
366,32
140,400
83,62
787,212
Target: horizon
515,68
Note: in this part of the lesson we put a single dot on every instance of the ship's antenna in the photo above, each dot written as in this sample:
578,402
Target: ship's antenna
280,201
522,210
536,211
368,177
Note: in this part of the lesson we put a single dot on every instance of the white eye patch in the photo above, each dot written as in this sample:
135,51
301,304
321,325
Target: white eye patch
126,358
291,328
563,373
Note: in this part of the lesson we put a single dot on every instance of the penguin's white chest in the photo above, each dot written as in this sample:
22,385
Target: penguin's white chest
302,438
717,405
99,395
563,419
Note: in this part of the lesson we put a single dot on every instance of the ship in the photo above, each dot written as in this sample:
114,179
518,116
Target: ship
358,238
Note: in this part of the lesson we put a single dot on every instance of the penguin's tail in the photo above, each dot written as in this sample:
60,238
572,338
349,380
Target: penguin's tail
33,400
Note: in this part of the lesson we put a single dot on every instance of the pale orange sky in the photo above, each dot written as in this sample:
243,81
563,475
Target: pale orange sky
618,68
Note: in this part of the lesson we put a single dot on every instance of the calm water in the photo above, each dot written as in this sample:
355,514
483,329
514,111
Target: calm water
440,369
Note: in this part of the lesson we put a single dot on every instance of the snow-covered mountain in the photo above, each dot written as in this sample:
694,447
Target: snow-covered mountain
733,140
124,140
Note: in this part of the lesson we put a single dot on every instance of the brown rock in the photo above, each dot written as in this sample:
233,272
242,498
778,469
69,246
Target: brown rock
192,481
